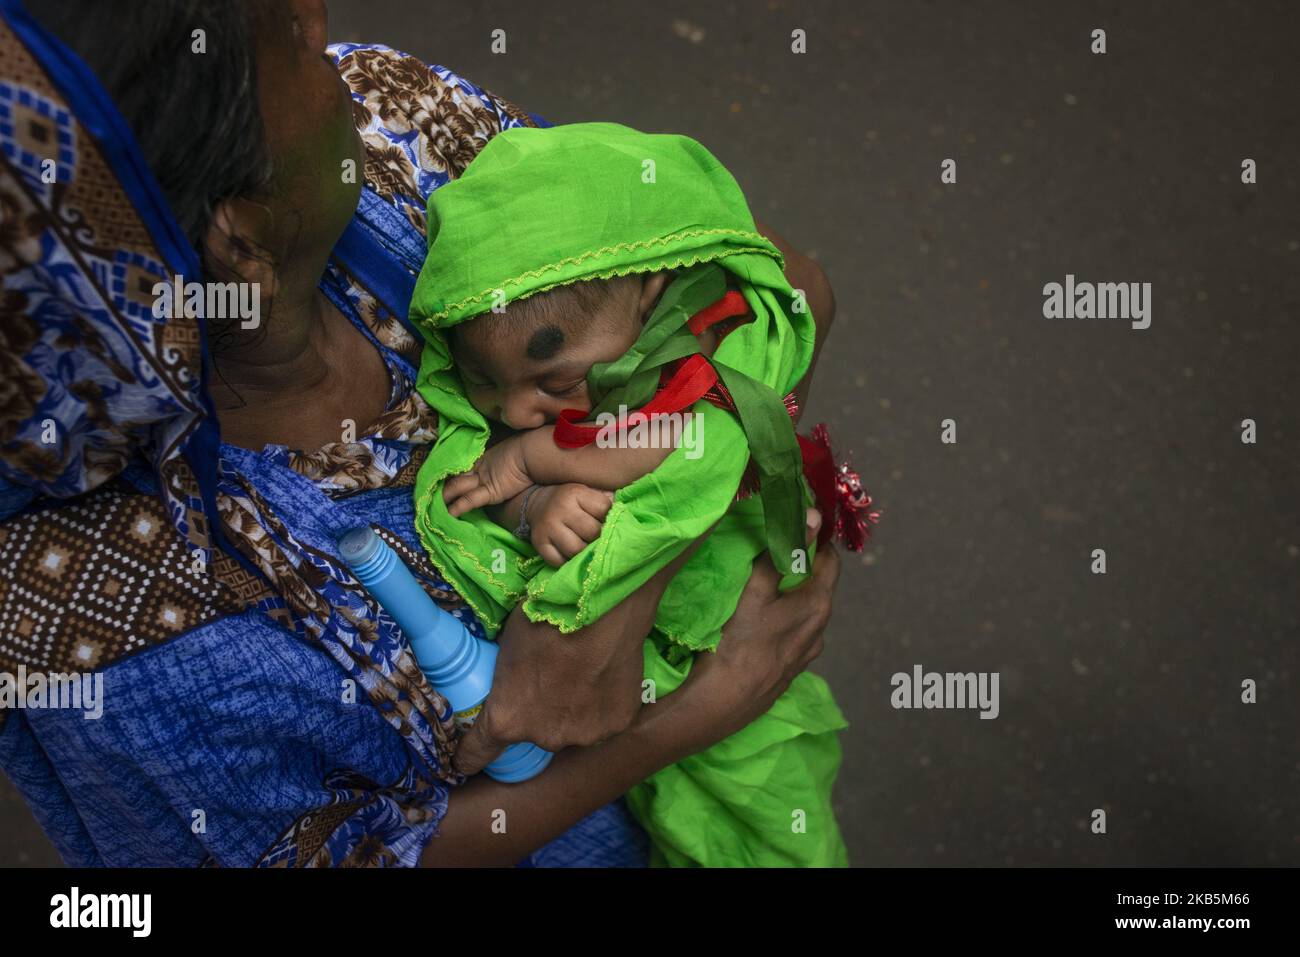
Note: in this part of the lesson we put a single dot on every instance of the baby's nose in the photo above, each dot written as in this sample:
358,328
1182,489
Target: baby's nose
521,414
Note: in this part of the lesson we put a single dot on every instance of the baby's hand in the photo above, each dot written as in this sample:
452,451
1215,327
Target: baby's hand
498,476
565,519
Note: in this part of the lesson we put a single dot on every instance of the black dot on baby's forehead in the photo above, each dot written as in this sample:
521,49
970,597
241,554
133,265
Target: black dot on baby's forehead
545,342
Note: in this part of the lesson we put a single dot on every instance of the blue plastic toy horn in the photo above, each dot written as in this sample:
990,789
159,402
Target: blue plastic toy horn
458,665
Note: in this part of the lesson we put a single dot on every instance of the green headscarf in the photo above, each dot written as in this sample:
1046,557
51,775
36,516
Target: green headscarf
542,208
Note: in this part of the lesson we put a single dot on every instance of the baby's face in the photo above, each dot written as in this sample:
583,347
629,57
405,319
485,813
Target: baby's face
523,374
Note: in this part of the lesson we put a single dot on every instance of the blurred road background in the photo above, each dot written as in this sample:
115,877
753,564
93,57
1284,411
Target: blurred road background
1119,691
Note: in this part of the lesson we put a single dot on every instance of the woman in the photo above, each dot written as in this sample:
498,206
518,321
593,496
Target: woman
209,468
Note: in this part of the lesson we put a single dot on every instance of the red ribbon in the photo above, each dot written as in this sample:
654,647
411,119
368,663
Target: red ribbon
848,511
728,307
694,377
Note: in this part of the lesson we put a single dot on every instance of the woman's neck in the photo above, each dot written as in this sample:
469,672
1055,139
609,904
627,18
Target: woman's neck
301,381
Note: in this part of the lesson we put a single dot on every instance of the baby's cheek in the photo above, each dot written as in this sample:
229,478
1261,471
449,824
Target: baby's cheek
481,403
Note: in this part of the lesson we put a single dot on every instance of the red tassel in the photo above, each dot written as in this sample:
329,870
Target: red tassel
844,503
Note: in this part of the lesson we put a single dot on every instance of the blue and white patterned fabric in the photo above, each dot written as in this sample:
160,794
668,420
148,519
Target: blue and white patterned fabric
257,708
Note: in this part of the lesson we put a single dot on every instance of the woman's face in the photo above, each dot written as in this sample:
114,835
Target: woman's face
307,117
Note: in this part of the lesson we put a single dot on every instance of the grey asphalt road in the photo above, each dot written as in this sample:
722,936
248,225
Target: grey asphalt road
1120,691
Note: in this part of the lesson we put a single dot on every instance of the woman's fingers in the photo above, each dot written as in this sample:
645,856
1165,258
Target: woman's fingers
763,581
826,572
479,746
771,638
812,525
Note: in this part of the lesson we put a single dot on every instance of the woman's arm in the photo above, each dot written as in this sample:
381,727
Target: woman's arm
558,690
577,782
770,639
802,273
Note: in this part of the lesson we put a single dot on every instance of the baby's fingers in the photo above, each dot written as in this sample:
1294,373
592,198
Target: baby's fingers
550,554
568,541
458,485
583,525
596,503
476,497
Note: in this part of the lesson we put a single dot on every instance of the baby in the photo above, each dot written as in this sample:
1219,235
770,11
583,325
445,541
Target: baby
573,274
521,369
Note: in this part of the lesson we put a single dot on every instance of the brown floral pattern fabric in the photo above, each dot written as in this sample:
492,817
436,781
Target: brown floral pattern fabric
122,569
91,375
396,95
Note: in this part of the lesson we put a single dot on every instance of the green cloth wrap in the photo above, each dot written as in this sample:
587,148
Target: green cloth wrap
542,208
631,381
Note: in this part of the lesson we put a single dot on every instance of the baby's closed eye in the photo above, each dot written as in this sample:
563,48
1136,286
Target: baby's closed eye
572,391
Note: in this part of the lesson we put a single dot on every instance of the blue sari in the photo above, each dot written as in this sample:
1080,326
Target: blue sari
258,708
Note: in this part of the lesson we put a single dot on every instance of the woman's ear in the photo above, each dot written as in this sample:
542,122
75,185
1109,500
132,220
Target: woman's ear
652,287
235,247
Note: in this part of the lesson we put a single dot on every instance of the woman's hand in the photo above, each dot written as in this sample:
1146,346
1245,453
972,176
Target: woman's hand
769,640
802,273
559,691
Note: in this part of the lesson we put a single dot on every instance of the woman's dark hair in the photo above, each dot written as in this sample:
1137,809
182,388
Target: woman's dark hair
195,115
